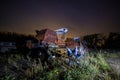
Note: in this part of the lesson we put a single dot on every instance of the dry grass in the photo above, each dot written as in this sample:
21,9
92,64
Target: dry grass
17,67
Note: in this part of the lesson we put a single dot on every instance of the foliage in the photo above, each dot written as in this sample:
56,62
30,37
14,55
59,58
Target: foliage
7,78
18,67
110,41
19,39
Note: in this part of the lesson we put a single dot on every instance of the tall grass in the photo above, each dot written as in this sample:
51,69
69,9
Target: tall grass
95,67
19,67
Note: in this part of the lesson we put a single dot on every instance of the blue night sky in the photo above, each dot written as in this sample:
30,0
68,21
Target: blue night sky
81,17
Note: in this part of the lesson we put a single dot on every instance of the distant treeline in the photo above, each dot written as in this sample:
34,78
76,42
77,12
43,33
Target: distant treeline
103,41
98,41
19,39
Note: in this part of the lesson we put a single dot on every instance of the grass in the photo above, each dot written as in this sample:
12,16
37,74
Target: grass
18,67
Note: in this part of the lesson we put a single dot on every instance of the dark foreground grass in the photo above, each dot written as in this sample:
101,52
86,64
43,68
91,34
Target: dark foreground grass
18,67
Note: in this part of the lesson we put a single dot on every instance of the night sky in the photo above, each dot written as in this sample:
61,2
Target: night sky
81,17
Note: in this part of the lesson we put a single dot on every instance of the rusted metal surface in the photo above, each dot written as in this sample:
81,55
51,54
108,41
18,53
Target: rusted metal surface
47,36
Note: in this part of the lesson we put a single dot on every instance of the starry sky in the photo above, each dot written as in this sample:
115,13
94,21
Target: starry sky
81,17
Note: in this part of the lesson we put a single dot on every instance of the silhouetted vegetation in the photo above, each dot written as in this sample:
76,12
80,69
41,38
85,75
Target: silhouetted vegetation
95,41
19,39
101,41
113,41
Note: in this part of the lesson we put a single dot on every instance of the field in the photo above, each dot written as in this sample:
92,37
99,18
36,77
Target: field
100,65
